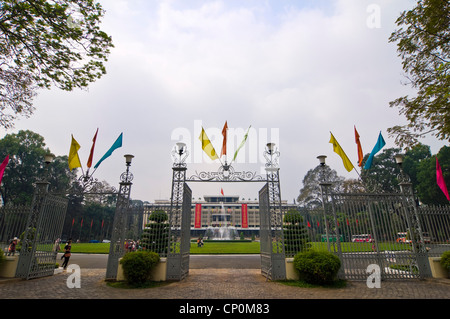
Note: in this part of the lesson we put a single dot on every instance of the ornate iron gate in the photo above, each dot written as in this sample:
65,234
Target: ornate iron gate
271,229
38,247
271,233
365,229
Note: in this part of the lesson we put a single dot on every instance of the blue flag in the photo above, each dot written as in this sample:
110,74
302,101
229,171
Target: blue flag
376,149
117,144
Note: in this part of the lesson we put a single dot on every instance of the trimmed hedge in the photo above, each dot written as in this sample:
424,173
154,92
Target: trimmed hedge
137,265
317,267
445,260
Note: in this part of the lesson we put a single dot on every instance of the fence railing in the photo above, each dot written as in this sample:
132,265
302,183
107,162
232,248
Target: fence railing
13,223
365,230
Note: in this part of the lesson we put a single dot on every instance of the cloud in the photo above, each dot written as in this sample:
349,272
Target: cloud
305,68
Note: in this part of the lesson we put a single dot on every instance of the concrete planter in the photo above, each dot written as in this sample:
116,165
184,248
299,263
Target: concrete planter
159,273
291,272
437,271
8,267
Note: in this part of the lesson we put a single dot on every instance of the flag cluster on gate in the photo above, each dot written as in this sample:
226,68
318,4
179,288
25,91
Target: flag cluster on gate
368,165
74,159
346,161
208,148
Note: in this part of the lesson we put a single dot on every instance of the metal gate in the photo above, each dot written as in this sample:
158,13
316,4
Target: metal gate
366,229
38,248
273,265
179,236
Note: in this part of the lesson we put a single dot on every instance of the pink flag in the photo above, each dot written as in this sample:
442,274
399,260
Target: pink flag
440,179
3,166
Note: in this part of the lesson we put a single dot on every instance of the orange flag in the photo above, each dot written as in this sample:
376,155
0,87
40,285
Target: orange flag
224,145
91,155
360,152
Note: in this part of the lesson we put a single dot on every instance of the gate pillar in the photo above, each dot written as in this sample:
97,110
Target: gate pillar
179,219
273,255
117,246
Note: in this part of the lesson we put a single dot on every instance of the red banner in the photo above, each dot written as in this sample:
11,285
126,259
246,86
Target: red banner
244,223
198,215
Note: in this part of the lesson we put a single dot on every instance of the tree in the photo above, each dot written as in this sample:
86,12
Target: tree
155,236
310,194
383,172
423,44
427,189
45,43
26,151
295,233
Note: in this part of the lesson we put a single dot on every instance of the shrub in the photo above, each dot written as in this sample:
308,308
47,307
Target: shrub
155,236
296,237
445,260
2,257
138,265
317,267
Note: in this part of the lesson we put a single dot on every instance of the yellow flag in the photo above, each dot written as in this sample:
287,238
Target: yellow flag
207,146
338,150
74,160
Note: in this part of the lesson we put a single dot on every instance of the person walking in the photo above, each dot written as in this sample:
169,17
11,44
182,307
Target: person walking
67,253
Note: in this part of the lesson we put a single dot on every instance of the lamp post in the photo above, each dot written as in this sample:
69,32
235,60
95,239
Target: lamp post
324,187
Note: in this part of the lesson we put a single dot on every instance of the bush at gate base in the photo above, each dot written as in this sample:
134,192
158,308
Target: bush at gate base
138,265
445,261
317,267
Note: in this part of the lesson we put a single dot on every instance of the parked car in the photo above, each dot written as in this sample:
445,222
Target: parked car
106,241
363,238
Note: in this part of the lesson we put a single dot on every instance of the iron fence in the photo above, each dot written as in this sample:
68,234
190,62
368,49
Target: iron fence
13,223
366,229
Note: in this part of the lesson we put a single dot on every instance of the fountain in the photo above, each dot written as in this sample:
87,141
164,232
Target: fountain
223,231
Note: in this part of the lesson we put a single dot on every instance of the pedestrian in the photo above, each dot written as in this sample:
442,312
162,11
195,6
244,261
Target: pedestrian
67,253
12,247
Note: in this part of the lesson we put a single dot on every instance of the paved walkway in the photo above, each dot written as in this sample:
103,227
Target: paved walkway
216,284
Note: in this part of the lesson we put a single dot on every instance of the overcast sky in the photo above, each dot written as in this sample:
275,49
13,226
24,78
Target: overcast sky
293,70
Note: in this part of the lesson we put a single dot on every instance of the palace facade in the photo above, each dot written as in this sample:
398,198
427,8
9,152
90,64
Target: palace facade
242,214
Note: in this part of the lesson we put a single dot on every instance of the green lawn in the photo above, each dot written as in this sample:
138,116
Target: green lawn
217,247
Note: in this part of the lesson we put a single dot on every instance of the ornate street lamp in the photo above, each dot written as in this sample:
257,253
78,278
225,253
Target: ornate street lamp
271,154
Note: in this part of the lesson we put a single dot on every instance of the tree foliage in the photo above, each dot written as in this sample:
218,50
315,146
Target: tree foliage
45,43
423,44
310,194
26,151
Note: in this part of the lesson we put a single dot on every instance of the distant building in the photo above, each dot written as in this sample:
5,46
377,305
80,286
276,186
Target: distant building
220,211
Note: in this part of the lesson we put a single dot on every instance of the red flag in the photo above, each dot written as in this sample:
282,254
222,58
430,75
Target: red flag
359,148
3,166
92,222
309,225
91,155
73,221
440,179
221,191
224,144
102,222
198,216
348,222
317,224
